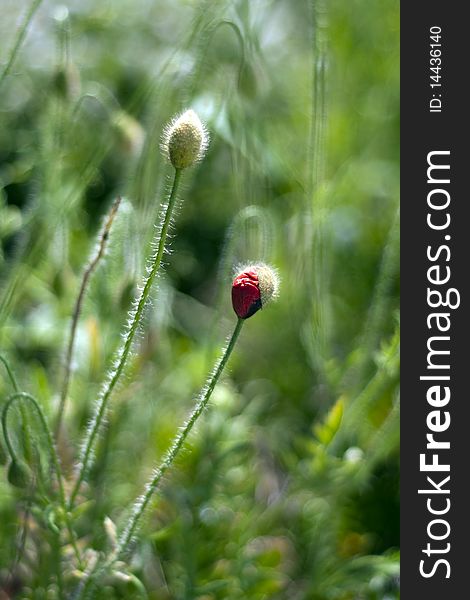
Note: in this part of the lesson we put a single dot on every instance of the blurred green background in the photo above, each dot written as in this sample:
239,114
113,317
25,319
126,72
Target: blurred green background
289,487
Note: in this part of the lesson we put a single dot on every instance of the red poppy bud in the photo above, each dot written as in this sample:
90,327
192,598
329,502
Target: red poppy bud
252,288
246,297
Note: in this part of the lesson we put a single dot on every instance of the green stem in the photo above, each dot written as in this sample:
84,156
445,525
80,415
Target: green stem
52,451
60,576
10,373
21,545
19,38
28,451
104,235
136,316
317,277
201,403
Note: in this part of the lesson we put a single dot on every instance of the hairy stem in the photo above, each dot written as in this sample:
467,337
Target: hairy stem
21,396
21,34
99,253
136,316
201,403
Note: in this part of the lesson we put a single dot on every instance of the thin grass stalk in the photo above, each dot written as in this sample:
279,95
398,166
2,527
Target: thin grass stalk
21,34
98,255
11,375
318,119
24,418
142,502
28,451
317,275
21,544
201,403
136,316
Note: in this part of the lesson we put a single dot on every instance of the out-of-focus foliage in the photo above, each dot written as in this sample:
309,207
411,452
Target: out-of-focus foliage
289,486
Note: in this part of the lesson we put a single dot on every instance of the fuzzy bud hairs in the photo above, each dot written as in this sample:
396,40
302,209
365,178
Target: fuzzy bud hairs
185,140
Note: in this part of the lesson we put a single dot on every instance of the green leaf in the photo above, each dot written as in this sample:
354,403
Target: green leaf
326,431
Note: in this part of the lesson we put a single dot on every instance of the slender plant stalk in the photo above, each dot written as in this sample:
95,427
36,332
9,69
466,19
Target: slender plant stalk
136,316
201,403
10,373
99,253
21,34
59,575
28,451
316,150
54,458
28,454
318,277
21,544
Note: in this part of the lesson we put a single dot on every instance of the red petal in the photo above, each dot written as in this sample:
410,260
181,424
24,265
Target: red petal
246,299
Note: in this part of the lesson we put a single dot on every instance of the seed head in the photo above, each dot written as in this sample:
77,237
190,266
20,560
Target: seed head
253,287
185,140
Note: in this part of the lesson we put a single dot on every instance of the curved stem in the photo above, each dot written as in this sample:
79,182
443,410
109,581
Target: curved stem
54,458
178,442
21,34
10,373
103,238
136,316
28,451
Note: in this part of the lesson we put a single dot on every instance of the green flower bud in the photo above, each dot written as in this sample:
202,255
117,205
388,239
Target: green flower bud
19,474
185,140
